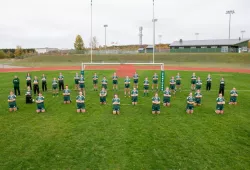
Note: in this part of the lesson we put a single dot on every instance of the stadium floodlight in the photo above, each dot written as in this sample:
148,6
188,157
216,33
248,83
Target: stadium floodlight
105,27
230,12
242,32
91,39
154,21
197,35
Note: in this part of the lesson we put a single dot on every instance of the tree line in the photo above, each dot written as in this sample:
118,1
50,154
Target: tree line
15,53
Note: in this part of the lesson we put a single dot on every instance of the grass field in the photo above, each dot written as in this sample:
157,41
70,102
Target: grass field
220,60
136,139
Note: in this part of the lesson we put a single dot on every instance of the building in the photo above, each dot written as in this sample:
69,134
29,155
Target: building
45,50
209,46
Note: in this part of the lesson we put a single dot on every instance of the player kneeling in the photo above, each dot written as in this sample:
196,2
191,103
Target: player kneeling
134,96
66,95
190,104
12,102
40,103
198,97
116,105
156,104
166,98
103,95
80,103
220,104
233,97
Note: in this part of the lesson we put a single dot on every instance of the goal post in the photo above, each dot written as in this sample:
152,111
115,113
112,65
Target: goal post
161,68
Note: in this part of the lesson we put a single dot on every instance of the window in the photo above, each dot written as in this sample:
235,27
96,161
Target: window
193,47
204,47
181,47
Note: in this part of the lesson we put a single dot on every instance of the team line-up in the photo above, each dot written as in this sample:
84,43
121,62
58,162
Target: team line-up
174,85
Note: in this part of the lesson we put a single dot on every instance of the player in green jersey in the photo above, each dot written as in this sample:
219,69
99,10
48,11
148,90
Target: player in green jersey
178,82
167,97
28,80
103,95
155,82
127,86
116,105
12,102
36,85
16,83
136,80
233,97
220,104
82,85
209,82
198,84
134,96
28,96
66,95
61,82
55,87
172,84
115,82
95,82
40,103
190,104
198,97
146,86
193,81
104,83
80,103
156,101
44,83
76,78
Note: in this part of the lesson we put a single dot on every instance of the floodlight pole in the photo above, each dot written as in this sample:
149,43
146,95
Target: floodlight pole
91,41
242,32
105,27
230,12
154,20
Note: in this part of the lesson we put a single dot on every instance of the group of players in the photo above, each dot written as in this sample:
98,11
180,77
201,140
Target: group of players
174,86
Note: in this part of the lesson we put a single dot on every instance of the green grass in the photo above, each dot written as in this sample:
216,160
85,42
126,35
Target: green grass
234,60
136,139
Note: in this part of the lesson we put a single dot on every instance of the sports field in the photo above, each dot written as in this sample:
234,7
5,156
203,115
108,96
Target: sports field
136,139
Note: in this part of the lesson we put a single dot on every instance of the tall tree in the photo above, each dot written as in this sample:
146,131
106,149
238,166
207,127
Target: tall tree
79,44
94,42
18,51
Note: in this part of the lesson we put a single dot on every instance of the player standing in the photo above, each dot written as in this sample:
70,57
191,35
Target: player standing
190,104
155,82
12,102
16,83
40,103
233,97
36,85
76,78
146,86
61,82
80,103
104,83
220,104
222,86
95,82
28,80
172,83
209,82
115,82
136,80
66,95
44,83
166,98
28,96
82,85
156,101
127,86
134,96
178,82
198,97
103,95
198,84
55,87
116,105
193,81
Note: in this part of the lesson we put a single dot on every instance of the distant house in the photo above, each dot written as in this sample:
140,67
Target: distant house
209,46
45,50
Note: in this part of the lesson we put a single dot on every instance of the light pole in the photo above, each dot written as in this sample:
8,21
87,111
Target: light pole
197,35
242,32
105,27
230,12
154,20
91,41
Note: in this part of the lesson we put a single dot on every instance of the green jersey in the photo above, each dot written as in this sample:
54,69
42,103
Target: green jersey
35,81
220,99
233,92
127,81
81,80
198,95
117,100
60,77
16,82
28,78
167,93
136,77
222,83
104,81
146,83
80,98
156,99
193,77
199,82
190,99
54,83
95,77
40,98
28,93
115,78
103,93
178,78
12,97
172,81
209,79
66,92
44,79
155,77
134,93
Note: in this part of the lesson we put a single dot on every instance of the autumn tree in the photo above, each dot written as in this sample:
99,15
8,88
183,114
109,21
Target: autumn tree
18,51
79,44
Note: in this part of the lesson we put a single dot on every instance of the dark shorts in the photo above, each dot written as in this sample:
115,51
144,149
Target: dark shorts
40,107
193,82
76,81
95,81
115,82
155,81
102,99
80,106
220,107
104,86
198,100
135,81
54,87
82,86
198,87
190,107
66,98
127,86
178,83
172,87
166,99
134,99
146,87
116,108
156,107
12,105
233,99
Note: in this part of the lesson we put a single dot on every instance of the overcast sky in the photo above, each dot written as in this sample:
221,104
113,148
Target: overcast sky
55,23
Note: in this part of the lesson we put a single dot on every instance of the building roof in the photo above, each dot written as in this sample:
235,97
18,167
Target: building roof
225,42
